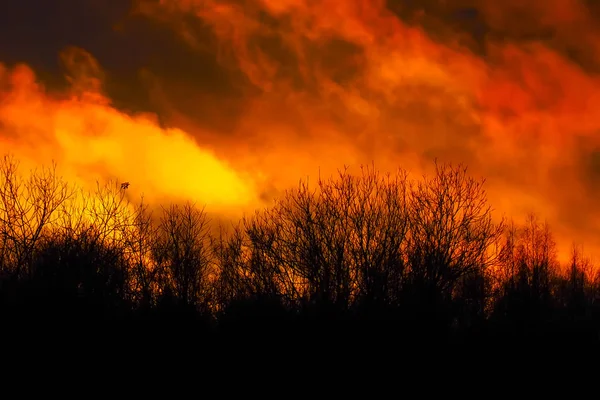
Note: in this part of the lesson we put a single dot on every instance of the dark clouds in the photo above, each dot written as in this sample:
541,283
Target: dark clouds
135,52
138,52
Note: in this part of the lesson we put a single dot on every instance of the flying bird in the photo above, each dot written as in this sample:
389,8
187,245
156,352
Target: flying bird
124,185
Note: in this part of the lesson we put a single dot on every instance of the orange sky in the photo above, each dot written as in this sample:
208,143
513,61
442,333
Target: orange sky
231,102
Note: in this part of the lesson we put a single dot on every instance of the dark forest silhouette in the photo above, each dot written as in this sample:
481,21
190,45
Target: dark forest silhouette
383,260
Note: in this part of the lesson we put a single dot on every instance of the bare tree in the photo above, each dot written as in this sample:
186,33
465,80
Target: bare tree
576,288
183,253
371,211
141,240
301,241
336,244
27,207
110,211
537,256
232,263
452,232
528,271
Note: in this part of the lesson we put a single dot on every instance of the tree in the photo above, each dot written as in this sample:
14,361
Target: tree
337,244
141,241
27,207
183,255
529,266
452,234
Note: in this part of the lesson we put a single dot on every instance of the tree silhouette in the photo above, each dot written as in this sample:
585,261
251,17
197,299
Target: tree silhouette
530,267
27,207
361,262
182,253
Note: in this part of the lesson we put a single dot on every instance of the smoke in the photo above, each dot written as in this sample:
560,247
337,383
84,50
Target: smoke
271,91
91,140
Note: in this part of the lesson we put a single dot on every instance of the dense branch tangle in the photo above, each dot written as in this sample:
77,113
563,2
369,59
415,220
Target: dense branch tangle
355,239
365,237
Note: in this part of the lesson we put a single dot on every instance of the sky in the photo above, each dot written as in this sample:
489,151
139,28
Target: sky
230,102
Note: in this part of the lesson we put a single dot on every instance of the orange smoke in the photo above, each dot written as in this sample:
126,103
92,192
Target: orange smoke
342,82
91,141
508,88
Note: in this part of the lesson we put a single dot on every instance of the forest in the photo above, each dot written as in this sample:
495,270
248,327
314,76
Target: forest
375,260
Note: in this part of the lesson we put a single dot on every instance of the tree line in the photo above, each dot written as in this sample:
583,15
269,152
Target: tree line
385,254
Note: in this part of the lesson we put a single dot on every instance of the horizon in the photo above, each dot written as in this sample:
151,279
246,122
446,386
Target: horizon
230,105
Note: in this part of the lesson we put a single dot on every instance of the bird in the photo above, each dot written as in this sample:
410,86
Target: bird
124,185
